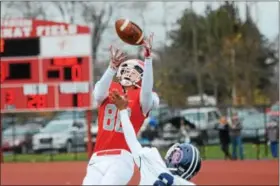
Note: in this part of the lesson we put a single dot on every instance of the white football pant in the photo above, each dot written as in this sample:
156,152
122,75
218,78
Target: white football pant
112,167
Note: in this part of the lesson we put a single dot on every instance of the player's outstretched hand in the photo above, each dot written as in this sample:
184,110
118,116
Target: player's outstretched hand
116,57
120,101
147,44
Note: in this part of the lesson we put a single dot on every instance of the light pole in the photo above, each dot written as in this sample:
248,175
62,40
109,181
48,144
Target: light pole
195,57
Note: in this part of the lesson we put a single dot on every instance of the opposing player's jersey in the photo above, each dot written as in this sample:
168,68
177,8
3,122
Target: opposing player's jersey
154,171
110,135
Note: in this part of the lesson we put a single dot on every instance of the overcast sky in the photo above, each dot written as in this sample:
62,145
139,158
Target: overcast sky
265,14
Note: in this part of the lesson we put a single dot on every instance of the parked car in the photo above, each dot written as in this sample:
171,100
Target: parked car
170,135
274,110
205,119
4,124
161,114
62,135
70,115
253,128
94,130
18,138
7,121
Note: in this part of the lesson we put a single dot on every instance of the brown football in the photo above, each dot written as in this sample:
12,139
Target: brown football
129,32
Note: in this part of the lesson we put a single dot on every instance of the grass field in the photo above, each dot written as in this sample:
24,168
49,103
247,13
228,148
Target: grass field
208,152
79,156
250,152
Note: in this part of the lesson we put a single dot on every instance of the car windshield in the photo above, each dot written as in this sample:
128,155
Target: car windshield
254,121
154,113
69,115
159,111
55,127
195,116
17,130
273,119
275,107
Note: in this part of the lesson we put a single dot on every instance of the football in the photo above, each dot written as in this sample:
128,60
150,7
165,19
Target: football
129,32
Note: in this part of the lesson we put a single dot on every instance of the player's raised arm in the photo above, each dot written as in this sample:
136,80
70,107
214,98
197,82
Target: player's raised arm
148,99
101,89
129,133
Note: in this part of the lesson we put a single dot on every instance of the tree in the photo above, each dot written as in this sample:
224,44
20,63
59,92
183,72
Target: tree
231,57
252,53
23,9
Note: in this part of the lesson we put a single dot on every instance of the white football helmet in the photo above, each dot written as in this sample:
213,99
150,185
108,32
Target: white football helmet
130,72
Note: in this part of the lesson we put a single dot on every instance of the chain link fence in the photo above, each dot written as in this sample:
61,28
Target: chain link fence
63,136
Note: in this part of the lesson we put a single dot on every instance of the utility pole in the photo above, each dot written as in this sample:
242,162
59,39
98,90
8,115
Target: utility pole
164,21
233,91
234,39
195,57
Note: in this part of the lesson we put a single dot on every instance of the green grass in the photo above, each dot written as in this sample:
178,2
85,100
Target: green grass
250,152
81,156
210,152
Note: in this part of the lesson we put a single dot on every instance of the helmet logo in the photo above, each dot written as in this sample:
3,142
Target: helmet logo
177,156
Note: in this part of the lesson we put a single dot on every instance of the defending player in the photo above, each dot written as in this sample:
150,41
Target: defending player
111,162
182,161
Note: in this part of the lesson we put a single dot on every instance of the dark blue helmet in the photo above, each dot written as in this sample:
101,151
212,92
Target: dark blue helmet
183,160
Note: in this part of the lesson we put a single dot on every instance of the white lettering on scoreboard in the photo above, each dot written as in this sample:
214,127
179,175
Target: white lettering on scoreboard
35,89
74,88
56,30
65,45
43,30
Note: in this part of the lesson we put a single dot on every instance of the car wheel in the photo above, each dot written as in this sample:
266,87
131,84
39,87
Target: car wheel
37,151
20,150
69,146
24,149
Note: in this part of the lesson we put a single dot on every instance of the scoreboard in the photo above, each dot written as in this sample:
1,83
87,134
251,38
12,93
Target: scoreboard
45,66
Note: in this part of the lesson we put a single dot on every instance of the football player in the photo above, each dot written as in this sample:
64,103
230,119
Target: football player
182,161
111,162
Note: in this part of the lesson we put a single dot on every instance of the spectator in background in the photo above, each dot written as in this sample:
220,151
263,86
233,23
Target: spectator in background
236,138
224,136
184,129
272,132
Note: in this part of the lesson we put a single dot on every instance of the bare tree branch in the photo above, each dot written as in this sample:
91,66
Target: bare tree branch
24,9
5,8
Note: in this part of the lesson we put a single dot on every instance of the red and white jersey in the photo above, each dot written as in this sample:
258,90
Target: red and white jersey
153,169
110,134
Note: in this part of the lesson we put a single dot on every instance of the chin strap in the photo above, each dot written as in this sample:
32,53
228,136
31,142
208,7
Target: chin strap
135,84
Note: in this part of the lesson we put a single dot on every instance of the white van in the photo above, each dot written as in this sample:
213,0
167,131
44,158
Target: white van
206,119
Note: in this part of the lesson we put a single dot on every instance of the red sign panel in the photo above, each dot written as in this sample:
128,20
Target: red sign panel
13,99
35,84
59,69
19,71
33,79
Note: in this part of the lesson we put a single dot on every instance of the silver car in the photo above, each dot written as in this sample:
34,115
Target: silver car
254,127
62,135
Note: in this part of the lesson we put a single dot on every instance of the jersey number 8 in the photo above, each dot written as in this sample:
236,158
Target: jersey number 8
111,119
